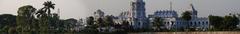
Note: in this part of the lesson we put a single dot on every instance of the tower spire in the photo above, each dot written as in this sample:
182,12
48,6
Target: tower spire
170,5
58,11
192,9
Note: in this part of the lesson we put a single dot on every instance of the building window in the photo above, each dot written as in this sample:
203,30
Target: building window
207,23
190,23
172,22
200,23
203,24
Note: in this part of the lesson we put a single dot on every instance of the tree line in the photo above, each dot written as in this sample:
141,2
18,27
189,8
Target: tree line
32,20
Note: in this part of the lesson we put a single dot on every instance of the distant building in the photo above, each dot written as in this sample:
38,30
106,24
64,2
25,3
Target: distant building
124,16
171,20
169,17
197,23
138,20
138,15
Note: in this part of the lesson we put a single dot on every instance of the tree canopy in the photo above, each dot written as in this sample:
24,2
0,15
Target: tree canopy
186,15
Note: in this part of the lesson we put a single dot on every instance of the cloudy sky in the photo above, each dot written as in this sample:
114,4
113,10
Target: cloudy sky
83,8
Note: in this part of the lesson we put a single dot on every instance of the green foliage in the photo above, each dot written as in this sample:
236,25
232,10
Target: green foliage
90,20
69,24
55,22
44,16
157,22
226,23
230,22
100,22
7,23
48,6
27,22
186,15
216,22
126,25
108,20
91,27
25,19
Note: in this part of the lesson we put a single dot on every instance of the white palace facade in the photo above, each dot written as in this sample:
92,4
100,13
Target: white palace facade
172,21
137,18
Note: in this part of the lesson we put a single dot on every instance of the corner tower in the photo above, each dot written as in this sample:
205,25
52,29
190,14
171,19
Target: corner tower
138,14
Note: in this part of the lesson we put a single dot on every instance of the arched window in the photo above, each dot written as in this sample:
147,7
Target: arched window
190,23
203,23
168,22
194,23
207,23
172,22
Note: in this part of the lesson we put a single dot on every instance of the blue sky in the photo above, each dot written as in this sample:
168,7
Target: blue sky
83,8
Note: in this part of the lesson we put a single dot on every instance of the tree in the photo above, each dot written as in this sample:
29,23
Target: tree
7,23
186,15
157,22
108,20
91,27
70,24
90,20
44,16
26,19
230,22
46,9
126,25
100,22
216,22
227,22
91,23
61,25
54,22
235,22
48,6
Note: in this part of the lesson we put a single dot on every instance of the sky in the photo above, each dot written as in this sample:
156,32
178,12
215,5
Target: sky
82,8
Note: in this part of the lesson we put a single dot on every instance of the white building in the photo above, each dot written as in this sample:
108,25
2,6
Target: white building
137,16
168,16
171,20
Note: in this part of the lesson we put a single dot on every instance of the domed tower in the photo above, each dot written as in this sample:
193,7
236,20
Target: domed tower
138,9
138,14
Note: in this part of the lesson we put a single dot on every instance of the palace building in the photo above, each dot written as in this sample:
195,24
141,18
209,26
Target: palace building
137,18
138,15
172,21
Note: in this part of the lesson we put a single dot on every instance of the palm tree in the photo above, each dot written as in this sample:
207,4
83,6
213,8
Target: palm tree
48,6
44,15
